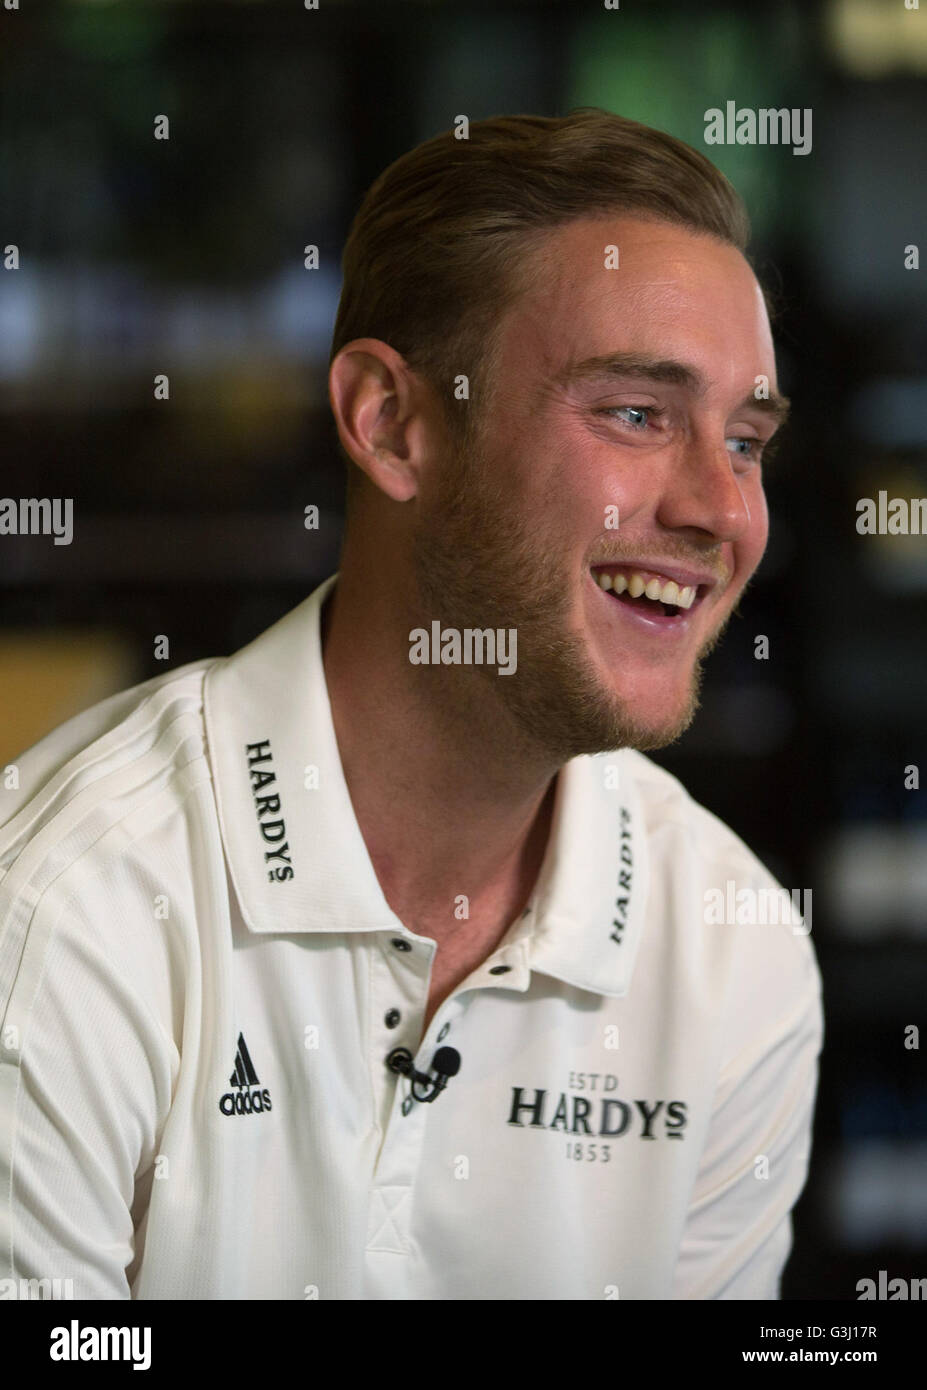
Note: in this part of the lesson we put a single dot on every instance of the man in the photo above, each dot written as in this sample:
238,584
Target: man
375,962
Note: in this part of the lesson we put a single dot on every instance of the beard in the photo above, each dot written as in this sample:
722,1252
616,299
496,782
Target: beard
478,565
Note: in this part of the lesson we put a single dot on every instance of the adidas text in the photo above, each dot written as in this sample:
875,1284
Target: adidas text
245,1102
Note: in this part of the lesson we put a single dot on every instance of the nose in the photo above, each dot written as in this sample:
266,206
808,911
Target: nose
704,493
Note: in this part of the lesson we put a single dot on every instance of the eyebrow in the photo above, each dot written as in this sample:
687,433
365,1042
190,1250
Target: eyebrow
633,364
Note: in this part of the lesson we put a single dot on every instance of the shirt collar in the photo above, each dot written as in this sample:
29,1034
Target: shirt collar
298,861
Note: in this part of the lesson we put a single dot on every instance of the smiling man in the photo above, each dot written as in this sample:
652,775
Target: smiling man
400,973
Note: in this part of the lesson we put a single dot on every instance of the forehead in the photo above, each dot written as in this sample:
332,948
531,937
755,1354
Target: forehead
674,293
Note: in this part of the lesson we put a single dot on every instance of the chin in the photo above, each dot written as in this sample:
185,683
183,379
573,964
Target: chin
635,724
656,736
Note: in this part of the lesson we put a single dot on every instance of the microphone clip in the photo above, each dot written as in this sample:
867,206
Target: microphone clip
446,1062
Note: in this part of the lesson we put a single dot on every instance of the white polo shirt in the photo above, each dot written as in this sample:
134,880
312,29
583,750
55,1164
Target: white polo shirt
201,980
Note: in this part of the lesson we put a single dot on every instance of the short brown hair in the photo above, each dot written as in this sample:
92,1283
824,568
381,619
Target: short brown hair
436,252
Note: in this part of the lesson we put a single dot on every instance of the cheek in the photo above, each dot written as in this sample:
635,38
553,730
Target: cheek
587,487
565,489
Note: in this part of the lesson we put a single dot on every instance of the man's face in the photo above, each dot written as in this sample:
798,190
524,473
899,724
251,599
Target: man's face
518,532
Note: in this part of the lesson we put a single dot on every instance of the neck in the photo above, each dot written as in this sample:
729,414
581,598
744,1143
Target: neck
450,798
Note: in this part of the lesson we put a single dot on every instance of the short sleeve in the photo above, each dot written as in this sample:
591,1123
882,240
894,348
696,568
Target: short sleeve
738,1232
85,1085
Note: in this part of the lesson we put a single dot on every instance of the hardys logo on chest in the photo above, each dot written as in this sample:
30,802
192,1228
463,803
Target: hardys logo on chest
267,805
606,1116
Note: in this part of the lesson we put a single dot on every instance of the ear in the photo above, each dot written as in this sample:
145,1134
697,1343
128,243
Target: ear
376,400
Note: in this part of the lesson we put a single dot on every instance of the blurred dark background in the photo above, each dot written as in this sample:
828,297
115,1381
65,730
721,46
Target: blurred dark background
138,257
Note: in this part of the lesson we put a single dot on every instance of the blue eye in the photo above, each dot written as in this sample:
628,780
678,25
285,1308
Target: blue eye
634,410
643,418
754,450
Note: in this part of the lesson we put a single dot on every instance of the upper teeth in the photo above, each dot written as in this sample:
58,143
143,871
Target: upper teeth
661,591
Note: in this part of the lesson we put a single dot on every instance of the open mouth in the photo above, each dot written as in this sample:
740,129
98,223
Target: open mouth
651,595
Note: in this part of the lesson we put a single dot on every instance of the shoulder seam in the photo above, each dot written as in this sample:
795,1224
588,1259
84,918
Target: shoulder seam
114,741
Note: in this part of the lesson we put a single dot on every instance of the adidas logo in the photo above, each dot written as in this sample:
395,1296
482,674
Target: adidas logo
247,1099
